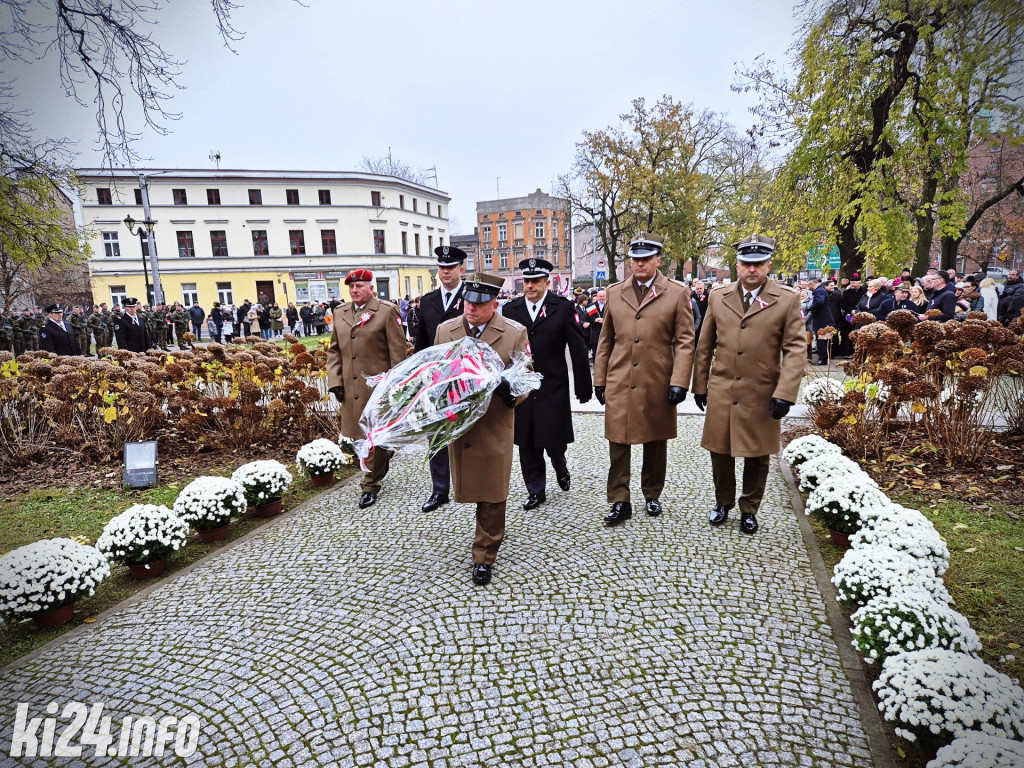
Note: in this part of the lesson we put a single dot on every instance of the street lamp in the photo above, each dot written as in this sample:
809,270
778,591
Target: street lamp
145,230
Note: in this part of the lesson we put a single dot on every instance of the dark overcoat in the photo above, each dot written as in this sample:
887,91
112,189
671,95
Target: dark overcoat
544,419
432,314
129,335
743,361
481,459
643,351
53,339
821,309
362,345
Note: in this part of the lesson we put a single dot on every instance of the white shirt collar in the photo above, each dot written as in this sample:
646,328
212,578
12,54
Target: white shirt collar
453,292
754,293
538,302
648,283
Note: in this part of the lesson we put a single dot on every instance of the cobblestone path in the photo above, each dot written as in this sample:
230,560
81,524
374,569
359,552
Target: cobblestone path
340,637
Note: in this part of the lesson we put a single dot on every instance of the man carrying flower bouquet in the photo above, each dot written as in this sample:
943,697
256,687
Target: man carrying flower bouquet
367,339
481,460
544,420
435,307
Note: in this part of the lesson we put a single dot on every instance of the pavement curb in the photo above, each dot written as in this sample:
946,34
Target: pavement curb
143,593
871,721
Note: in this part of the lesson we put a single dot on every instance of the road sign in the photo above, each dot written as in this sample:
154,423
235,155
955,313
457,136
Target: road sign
600,263
602,275
819,257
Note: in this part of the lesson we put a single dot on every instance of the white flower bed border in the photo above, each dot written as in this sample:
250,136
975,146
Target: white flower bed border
263,480
143,533
980,750
319,457
210,502
49,574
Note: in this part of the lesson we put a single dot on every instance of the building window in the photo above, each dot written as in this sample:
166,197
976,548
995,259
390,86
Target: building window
324,195
255,197
405,243
219,242
414,209
416,242
538,230
301,292
259,243
224,293
408,286
378,241
383,288
328,242
186,246
503,261
189,294
487,233
291,196
488,263
118,294
180,198
111,247
419,285
517,230
502,232
138,196
430,244
440,215
103,197
428,207
401,202
213,197
375,199
440,241
297,242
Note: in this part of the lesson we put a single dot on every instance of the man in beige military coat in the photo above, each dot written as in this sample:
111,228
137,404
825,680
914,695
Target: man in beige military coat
750,360
641,372
367,339
481,460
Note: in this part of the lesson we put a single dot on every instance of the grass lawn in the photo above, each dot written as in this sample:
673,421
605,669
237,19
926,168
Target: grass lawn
81,513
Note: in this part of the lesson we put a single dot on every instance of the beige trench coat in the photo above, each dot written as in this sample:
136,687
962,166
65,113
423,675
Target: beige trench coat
362,347
643,351
751,359
481,459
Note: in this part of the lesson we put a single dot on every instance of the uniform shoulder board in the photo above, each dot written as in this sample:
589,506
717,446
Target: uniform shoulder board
680,283
789,288
515,324
451,321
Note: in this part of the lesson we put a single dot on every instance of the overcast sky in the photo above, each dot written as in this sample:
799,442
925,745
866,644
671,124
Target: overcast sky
477,88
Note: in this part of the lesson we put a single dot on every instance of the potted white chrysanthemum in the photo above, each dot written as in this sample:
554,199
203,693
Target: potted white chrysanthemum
904,529
143,537
806,448
839,502
823,390
934,696
320,459
910,620
209,503
43,580
263,483
829,465
980,750
868,572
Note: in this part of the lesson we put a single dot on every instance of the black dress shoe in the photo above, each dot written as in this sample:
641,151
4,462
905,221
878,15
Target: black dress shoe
563,481
481,574
653,507
621,512
436,500
367,500
719,514
748,523
534,500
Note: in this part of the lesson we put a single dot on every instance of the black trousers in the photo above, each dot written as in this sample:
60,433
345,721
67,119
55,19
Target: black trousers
440,473
652,472
535,473
755,476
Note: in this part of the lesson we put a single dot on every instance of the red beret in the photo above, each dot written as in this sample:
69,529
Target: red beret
359,276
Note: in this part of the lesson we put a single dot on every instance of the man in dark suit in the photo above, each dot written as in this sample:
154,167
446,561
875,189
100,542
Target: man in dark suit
821,317
56,336
130,329
596,313
437,306
544,419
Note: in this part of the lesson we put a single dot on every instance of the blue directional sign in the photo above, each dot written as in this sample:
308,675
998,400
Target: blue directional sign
602,275
821,256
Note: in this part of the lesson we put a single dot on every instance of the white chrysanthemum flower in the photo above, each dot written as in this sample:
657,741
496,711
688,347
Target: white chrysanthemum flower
320,457
48,574
904,529
980,750
143,533
210,502
263,480
822,390
868,572
840,501
829,465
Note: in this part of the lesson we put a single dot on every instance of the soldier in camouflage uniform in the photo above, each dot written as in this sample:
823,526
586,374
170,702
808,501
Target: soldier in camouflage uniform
180,317
7,332
21,323
78,320
92,327
38,321
163,330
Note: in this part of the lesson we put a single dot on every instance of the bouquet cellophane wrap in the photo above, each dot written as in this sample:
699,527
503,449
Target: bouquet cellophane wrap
437,395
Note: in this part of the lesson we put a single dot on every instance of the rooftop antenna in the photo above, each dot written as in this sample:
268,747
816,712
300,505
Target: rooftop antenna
498,186
215,157
432,174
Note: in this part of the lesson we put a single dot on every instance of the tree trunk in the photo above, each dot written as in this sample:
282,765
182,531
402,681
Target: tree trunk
950,248
924,221
850,257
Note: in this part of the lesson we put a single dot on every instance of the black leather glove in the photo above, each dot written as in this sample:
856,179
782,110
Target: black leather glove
504,391
779,408
339,393
676,395
701,401
599,394
584,397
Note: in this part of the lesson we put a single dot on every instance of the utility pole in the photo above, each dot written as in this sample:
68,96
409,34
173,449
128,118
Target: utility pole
158,291
594,264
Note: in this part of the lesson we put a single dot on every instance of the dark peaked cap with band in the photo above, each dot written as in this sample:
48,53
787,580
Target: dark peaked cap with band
536,267
645,245
482,288
755,248
449,255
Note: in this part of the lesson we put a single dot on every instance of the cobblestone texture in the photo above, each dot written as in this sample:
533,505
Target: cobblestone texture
341,637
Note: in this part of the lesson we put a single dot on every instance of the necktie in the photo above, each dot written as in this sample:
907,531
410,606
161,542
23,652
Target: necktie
747,298
477,332
447,300
641,290
533,311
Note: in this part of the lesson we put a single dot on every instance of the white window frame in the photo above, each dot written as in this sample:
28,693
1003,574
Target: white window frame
225,295
502,233
111,245
189,294
538,230
117,295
